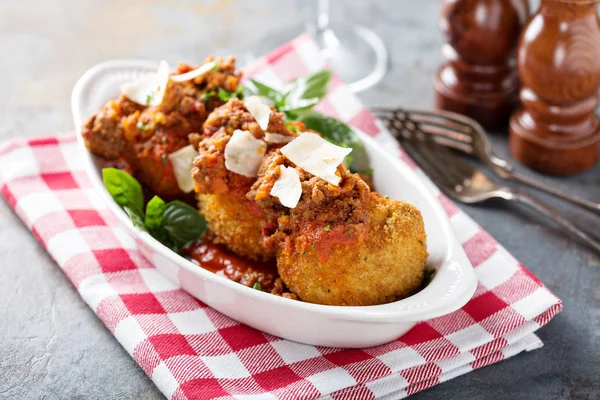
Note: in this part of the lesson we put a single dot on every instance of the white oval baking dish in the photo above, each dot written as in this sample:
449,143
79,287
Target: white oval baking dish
452,286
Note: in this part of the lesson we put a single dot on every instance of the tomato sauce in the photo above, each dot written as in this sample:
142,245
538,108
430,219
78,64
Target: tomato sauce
219,260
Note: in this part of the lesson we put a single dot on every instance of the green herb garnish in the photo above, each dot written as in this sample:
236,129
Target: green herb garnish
163,157
327,228
124,189
137,219
140,125
155,210
257,286
291,126
183,222
273,96
225,95
149,98
174,224
333,131
164,139
297,98
206,96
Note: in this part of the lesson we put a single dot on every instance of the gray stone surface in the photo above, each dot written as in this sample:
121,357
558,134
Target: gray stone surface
52,345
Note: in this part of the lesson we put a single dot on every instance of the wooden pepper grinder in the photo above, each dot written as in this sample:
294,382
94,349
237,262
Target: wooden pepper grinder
479,78
556,130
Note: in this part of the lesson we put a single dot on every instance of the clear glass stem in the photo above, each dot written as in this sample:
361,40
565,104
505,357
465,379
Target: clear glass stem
323,18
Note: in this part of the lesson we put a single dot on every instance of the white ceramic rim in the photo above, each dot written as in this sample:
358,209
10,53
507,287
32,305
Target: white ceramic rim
451,288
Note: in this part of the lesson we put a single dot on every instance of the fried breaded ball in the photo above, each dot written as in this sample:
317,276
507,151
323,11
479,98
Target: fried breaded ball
343,245
235,223
144,136
385,264
233,220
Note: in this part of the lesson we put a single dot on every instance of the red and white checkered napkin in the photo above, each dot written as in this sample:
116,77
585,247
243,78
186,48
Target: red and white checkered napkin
191,351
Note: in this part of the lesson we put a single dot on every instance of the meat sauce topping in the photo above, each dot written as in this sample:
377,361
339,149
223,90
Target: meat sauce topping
254,274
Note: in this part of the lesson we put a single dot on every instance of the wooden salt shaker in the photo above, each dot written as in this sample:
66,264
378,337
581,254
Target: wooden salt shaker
479,78
556,131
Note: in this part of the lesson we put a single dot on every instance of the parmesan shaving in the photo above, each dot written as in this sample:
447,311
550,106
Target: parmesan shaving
316,155
260,111
182,161
148,90
287,188
244,153
195,73
278,138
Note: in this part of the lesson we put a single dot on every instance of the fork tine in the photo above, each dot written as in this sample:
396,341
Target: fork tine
446,132
428,153
432,173
442,141
458,123
461,130
442,160
439,137
466,124
455,164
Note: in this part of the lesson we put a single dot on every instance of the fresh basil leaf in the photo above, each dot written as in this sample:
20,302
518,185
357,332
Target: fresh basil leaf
300,105
154,213
183,223
334,131
260,89
124,189
163,236
313,86
136,218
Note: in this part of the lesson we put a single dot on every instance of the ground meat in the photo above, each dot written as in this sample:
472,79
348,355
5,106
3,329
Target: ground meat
268,282
144,136
234,220
320,205
341,245
102,132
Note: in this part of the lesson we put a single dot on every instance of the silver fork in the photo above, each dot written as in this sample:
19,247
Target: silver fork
457,179
465,134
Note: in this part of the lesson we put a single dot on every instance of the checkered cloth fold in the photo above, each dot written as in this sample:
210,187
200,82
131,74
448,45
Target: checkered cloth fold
191,351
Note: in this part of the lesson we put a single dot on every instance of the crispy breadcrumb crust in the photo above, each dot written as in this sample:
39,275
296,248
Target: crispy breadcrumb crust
235,223
384,264
342,245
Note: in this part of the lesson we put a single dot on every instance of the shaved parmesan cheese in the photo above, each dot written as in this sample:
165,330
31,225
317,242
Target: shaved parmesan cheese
148,90
260,111
287,188
182,161
278,138
195,73
244,153
316,155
